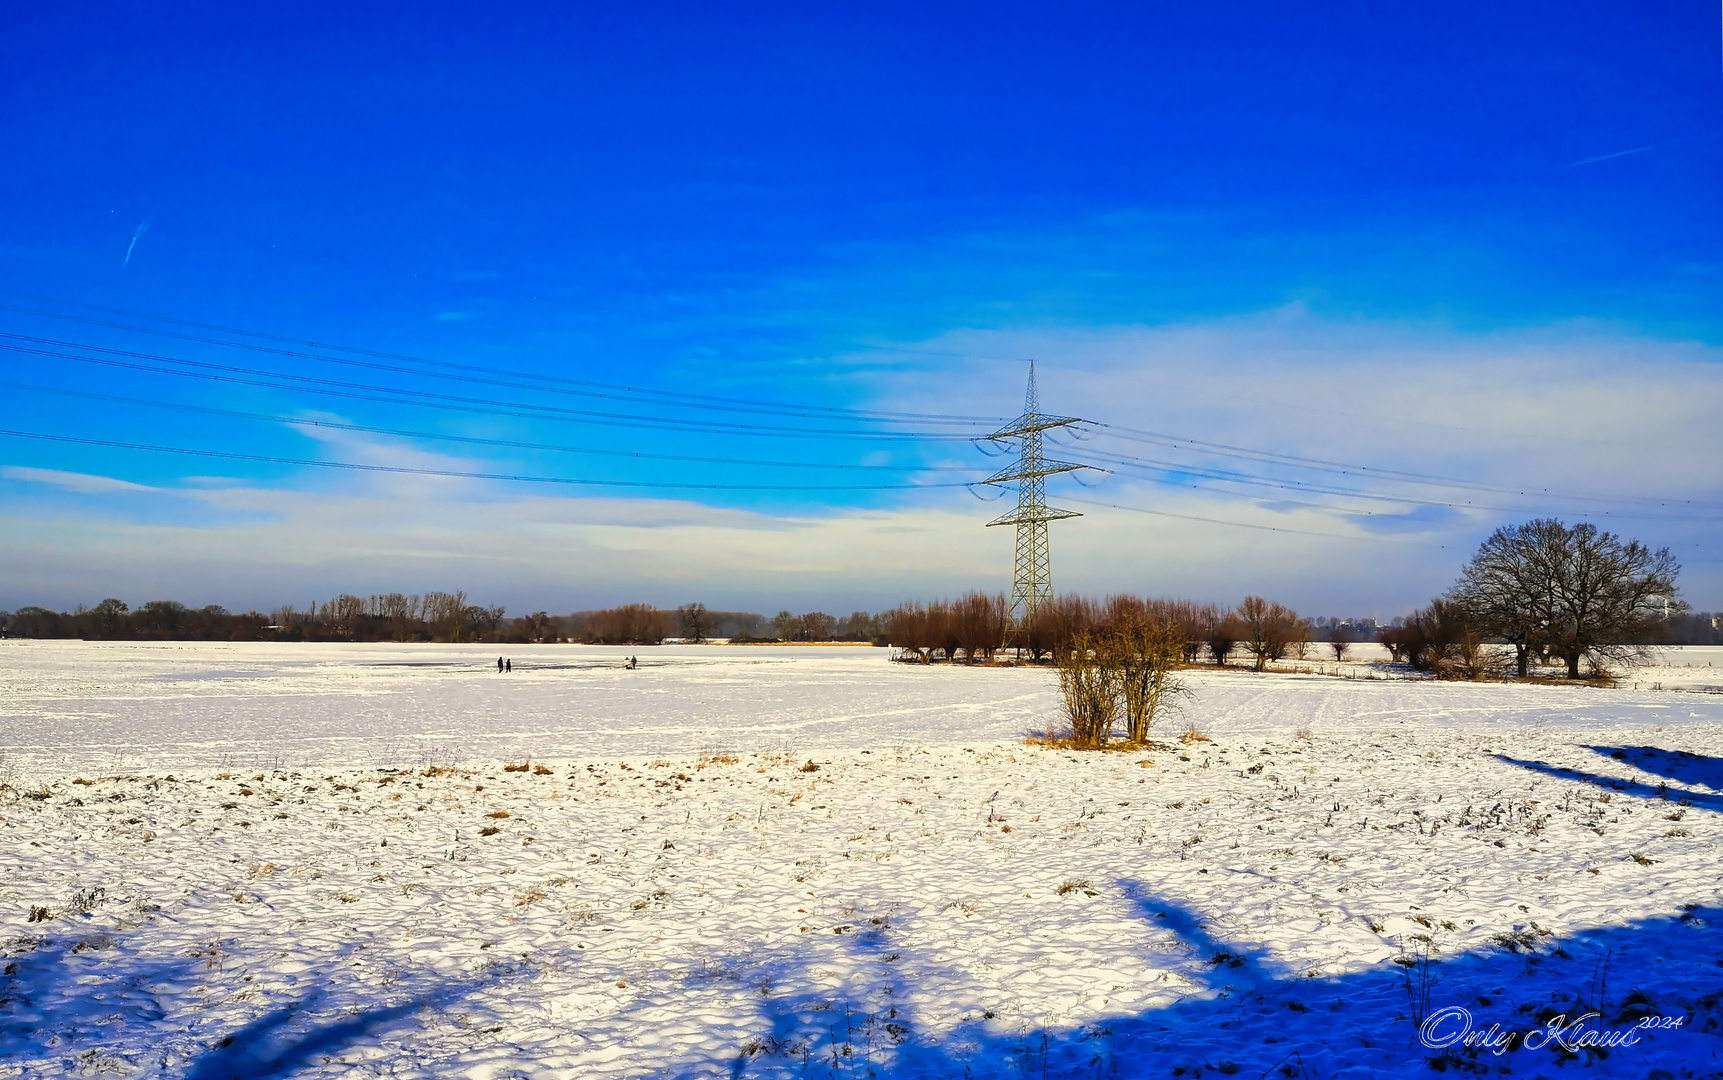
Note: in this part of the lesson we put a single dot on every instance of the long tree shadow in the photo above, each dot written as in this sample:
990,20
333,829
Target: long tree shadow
1686,796
77,989
265,1047
1218,1007
1682,765
1244,1012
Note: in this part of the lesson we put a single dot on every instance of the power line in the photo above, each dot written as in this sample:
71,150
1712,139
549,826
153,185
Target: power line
450,402
1364,471
1251,480
509,443
673,398
480,406
513,477
1248,525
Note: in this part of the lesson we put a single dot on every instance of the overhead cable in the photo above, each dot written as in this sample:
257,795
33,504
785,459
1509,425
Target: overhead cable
1249,525
474,440
1363,471
458,474
1250,480
422,399
556,383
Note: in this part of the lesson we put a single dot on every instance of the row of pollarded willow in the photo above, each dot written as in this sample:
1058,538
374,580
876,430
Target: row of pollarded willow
972,627
976,626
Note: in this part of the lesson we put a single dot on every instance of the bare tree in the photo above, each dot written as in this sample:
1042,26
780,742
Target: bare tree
695,622
111,612
1340,640
1221,636
631,624
1444,639
860,626
1268,629
1574,593
538,627
814,626
1609,597
1509,587
906,629
978,623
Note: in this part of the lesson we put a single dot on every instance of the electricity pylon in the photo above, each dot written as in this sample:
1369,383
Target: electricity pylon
1032,579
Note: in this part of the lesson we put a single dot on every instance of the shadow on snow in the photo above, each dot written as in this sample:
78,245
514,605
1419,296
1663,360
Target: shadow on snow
1223,1007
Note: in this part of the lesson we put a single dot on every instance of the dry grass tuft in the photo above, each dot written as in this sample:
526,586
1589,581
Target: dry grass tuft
1071,886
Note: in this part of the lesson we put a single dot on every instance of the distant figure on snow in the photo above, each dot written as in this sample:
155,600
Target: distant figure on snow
632,663
499,665
509,666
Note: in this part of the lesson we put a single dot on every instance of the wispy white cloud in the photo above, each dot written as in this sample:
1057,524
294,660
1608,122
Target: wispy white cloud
1577,407
71,481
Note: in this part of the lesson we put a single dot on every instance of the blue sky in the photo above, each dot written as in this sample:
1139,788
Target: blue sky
1447,239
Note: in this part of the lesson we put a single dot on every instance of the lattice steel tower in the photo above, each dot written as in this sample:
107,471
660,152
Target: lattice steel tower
1032,580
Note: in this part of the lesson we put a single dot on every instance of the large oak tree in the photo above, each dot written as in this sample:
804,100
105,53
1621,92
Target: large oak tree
1573,592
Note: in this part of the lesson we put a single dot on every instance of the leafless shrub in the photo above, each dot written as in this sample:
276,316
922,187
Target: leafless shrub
1090,689
1143,653
1442,639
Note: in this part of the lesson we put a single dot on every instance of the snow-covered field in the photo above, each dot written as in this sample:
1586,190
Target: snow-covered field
739,861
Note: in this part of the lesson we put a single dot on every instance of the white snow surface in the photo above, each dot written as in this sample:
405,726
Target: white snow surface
272,860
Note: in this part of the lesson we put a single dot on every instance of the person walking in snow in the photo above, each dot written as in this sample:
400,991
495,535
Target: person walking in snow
509,666
499,665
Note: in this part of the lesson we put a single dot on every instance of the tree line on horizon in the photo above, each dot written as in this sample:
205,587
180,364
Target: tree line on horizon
430,617
1538,592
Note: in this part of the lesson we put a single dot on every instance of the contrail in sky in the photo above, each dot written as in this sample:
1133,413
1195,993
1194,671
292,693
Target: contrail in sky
143,227
1635,150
